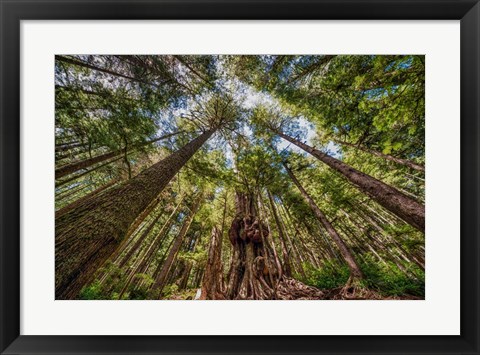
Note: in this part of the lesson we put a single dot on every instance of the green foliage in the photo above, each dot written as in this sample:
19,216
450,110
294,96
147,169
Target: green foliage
329,276
391,281
387,279
141,293
169,290
94,291
198,257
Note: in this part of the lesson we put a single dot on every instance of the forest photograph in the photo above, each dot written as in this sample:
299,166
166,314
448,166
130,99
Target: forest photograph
239,177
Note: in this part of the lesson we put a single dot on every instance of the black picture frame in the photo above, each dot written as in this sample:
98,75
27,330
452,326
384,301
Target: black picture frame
14,11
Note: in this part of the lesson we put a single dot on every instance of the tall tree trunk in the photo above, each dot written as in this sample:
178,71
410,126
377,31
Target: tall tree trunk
213,283
405,162
86,236
71,168
355,272
161,278
387,196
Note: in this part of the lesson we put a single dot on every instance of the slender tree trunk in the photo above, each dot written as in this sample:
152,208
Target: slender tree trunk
297,235
153,248
140,240
293,242
75,177
63,144
87,235
129,240
405,162
71,168
70,192
403,253
390,198
142,264
63,148
287,269
355,272
198,277
213,284
160,280
183,283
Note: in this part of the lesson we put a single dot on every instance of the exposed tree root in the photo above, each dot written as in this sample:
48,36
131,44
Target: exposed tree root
354,290
291,289
352,293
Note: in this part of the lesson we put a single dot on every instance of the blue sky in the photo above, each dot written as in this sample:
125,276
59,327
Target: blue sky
249,98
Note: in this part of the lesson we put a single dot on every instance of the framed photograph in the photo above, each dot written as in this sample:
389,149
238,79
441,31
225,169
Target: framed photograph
239,177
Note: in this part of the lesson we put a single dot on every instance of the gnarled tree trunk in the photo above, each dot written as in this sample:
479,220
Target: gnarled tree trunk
256,273
253,270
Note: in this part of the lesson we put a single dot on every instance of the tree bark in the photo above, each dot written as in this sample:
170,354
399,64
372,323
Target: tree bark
213,283
255,272
86,236
355,272
387,196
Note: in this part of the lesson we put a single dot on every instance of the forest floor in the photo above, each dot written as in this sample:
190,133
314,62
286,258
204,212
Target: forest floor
340,293
292,289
